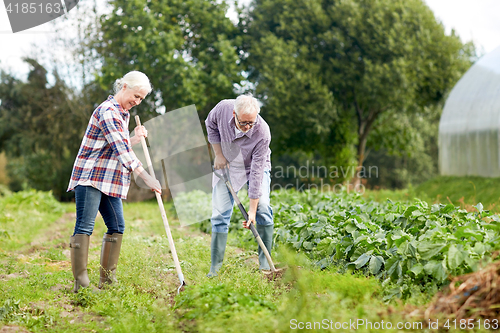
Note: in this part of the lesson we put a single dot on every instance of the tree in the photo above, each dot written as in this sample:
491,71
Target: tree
40,130
372,58
411,156
187,49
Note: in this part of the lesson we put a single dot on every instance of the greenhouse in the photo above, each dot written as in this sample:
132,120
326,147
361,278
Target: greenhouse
469,128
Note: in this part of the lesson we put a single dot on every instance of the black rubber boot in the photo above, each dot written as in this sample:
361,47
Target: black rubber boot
266,234
217,250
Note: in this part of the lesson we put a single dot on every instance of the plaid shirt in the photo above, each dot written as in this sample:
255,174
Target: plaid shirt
105,157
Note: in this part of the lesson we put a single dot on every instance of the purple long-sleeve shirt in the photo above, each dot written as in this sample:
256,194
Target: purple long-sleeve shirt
253,146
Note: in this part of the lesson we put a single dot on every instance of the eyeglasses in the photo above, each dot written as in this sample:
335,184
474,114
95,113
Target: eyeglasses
243,124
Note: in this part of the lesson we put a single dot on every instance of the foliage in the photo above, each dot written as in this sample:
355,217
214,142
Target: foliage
187,49
224,299
238,236
331,74
413,154
37,289
408,246
85,298
40,132
43,202
346,64
195,205
23,214
302,171
32,318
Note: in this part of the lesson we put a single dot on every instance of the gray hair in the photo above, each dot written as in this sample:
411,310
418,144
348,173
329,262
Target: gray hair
133,79
246,104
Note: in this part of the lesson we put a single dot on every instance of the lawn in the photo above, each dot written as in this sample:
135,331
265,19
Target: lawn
36,281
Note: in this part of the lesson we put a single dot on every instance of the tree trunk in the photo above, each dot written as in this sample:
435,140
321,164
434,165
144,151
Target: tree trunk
364,127
356,180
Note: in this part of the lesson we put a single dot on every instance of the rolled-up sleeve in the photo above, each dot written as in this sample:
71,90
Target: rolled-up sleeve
211,124
259,157
118,139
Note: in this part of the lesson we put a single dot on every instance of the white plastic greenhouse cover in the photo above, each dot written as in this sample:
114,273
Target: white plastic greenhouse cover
469,128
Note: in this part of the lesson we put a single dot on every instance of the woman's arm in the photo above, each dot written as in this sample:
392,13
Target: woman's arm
151,182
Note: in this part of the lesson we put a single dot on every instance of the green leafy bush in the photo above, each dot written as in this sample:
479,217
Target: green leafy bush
408,246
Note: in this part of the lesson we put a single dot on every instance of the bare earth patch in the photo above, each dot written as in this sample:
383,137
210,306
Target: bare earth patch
13,329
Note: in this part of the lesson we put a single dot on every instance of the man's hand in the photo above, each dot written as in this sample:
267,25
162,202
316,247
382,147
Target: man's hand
251,219
220,162
251,213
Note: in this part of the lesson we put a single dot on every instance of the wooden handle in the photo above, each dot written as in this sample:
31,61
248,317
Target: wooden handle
162,208
146,152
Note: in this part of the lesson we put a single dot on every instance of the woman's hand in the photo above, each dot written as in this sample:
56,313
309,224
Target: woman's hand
141,131
152,183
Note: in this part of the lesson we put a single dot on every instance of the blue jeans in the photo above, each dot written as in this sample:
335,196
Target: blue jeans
89,200
222,205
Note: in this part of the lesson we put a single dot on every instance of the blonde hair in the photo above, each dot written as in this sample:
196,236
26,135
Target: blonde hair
246,104
133,79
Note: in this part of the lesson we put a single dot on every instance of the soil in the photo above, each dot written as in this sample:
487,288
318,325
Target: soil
471,296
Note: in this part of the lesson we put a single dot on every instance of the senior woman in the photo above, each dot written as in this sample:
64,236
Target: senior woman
101,177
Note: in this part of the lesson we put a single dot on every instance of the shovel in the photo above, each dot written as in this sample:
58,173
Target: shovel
162,210
224,177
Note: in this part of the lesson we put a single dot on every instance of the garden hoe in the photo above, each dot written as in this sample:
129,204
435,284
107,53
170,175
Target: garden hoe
162,210
225,177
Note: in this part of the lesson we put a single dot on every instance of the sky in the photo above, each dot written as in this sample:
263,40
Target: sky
477,20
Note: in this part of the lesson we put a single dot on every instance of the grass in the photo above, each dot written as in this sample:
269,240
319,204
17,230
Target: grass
36,281
460,191
24,216
394,195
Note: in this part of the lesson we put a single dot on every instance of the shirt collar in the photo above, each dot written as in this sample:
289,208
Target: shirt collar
123,112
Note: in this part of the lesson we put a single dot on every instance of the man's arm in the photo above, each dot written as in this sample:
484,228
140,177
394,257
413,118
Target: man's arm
214,137
255,181
220,161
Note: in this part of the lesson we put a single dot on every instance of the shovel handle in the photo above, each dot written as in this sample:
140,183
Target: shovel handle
225,177
162,208
252,227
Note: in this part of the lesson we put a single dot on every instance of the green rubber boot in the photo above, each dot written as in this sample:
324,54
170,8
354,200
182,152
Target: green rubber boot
217,249
266,234
110,252
79,249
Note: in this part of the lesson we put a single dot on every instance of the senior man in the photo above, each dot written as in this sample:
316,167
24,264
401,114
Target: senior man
240,139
